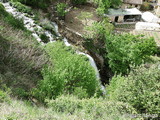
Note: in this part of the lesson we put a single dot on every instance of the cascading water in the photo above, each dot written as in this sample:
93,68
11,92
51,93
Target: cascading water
91,60
29,23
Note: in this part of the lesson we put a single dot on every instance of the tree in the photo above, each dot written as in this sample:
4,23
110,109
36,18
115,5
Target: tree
103,5
140,89
126,49
61,10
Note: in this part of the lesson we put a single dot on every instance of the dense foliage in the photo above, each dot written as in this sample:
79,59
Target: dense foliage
68,72
35,3
78,2
67,82
140,89
146,6
95,39
126,49
16,23
92,108
104,5
21,8
61,9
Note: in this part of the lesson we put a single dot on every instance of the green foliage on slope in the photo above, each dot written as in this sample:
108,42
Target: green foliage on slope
140,89
16,23
21,58
68,72
125,50
104,5
42,4
78,2
91,109
21,8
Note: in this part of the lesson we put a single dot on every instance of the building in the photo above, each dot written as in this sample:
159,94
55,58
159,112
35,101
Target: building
124,15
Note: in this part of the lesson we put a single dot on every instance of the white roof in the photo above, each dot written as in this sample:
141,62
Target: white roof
150,17
123,12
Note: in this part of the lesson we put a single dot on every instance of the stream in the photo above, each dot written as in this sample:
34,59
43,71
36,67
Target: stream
30,24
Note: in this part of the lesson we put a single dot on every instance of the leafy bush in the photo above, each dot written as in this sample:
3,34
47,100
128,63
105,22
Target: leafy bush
91,108
42,4
16,23
104,5
61,9
44,38
3,96
140,88
115,3
126,49
69,71
146,6
21,93
21,8
95,40
78,2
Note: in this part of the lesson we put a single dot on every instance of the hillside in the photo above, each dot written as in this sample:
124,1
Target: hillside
63,60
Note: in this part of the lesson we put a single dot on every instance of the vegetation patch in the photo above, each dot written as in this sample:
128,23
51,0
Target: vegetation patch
16,23
42,4
21,8
126,49
140,89
68,72
92,108
44,38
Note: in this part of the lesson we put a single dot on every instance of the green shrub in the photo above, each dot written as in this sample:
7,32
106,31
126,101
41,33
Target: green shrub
91,109
21,8
16,23
42,4
61,9
115,3
2,11
140,89
44,38
80,92
21,93
3,96
126,49
95,40
146,6
78,2
68,72
104,5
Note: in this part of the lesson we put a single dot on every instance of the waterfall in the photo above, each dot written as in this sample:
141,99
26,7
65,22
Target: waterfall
91,60
30,24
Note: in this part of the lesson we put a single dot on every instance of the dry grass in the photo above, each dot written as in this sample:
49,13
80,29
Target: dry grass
21,57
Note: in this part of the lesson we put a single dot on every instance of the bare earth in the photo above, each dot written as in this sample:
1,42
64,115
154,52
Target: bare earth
75,20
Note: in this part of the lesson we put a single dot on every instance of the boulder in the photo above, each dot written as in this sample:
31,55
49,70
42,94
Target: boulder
147,26
150,17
